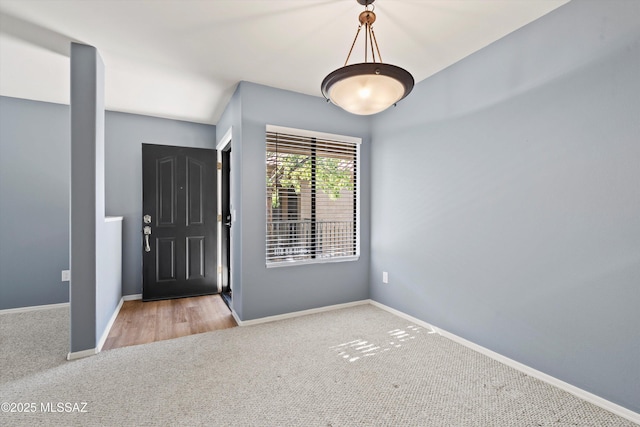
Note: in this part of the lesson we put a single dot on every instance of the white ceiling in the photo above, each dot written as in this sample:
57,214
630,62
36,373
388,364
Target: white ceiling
182,59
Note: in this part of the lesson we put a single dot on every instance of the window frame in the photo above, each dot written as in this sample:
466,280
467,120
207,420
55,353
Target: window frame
355,141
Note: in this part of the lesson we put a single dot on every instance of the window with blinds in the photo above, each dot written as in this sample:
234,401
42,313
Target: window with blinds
311,197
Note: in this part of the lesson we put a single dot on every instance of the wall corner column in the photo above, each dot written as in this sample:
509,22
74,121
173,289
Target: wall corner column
87,194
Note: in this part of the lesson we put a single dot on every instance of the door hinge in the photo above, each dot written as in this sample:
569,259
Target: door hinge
219,217
219,269
219,165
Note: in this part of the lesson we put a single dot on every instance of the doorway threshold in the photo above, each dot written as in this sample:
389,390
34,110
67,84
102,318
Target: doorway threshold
226,297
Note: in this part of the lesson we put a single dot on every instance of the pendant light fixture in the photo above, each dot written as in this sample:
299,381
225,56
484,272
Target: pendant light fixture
368,87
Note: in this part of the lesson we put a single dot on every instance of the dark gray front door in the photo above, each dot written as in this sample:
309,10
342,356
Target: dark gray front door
179,222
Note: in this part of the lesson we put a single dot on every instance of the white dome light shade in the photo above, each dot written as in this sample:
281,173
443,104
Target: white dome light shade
367,88
367,94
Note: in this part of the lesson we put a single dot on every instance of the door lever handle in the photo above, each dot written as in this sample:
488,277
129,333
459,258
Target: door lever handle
147,232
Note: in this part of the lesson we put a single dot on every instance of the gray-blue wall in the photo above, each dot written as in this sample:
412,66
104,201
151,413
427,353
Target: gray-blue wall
259,291
34,202
506,198
34,193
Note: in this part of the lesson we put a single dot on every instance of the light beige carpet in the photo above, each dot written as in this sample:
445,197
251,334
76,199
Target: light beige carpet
359,366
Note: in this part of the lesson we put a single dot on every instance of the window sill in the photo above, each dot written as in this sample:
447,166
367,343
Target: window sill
278,264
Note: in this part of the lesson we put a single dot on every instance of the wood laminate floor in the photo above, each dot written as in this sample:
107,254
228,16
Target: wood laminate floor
144,322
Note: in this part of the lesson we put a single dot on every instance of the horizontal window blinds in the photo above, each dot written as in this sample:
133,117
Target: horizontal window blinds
311,197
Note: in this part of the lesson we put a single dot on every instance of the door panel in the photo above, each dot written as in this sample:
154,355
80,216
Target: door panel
195,172
195,257
179,194
165,259
166,185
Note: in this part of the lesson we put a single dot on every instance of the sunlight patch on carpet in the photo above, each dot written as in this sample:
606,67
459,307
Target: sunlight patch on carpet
360,348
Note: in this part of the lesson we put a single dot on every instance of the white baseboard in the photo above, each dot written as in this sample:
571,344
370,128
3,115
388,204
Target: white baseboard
82,354
33,308
236,317
107,329
296,313
132,297
582,394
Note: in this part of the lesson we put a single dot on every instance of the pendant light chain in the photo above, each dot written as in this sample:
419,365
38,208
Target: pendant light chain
366,39
352,45
373,55
373,37
366,18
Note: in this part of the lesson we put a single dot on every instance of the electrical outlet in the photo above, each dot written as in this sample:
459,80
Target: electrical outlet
385,277
66,275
